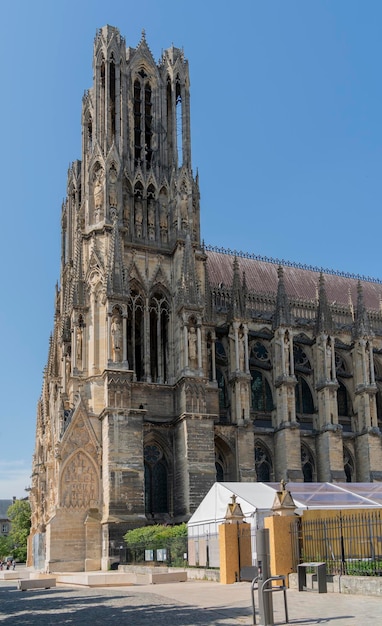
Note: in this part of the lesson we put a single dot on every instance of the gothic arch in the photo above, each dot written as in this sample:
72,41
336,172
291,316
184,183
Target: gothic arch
261,391
223,389
344,402
135,329
263,462
302,357
79,482
157,489
308,465
304,396
159,316
349,465
343,363
224,460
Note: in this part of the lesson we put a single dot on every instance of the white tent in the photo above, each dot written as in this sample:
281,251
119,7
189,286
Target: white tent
256,500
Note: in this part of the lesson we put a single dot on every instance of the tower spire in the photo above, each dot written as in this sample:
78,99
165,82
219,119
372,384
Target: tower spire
361,327
324,321
282,315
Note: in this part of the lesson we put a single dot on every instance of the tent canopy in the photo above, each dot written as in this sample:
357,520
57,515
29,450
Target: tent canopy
258,498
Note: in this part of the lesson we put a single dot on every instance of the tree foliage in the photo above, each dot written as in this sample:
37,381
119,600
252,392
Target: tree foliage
6,547
151,537
19,514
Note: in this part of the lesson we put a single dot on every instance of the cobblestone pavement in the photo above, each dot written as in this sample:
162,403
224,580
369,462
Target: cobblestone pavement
195,603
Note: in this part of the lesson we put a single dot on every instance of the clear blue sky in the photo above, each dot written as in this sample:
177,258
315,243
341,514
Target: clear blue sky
286,105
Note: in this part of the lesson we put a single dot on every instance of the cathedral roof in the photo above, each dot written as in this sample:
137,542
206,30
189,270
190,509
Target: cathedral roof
301,282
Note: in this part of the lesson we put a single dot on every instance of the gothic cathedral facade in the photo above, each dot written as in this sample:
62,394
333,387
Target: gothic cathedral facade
173,365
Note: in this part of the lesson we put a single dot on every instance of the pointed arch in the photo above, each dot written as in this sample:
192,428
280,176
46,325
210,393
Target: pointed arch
349,465
261,393
263,462
304,397
151,212
159,315
156,478
307,464
179,120
224,460
223,390
136,329
79,481
343,400
301,358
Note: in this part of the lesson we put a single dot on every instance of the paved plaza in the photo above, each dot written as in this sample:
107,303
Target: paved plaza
192,603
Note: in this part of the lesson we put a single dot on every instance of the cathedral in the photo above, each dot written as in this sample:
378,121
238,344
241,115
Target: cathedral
173,364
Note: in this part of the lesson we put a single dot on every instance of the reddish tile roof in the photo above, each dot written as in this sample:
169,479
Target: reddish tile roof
261,277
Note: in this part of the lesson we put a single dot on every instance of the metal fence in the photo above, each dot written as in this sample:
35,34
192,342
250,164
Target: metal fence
172,552
349,544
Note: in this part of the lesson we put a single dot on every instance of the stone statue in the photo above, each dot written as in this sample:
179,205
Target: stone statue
151,219
113,200
138,217
184,210
116,336
192,346
163,221
79,345
98,193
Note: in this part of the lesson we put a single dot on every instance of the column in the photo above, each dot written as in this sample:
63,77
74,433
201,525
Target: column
246,365
199,344
146,347
334,375
74,347
124,339
282,346
159,352
291,359
213,356
92,333
108,336
185,337
372,373
236,329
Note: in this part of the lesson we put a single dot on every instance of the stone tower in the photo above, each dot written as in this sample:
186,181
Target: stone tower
120,440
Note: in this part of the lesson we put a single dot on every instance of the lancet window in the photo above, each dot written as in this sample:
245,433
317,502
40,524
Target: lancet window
348,465
112,107
143,120
307,465
222,386
343,401
179,122
159,318
304,398
224,461
135,333
263,463
156,480
261,392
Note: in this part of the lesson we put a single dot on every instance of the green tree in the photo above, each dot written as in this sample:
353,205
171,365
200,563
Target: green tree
6,547
19,515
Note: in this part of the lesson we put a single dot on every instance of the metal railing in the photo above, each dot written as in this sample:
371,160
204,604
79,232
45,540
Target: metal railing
172,553
348,544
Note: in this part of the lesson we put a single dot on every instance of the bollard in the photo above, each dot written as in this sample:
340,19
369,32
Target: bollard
263,558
